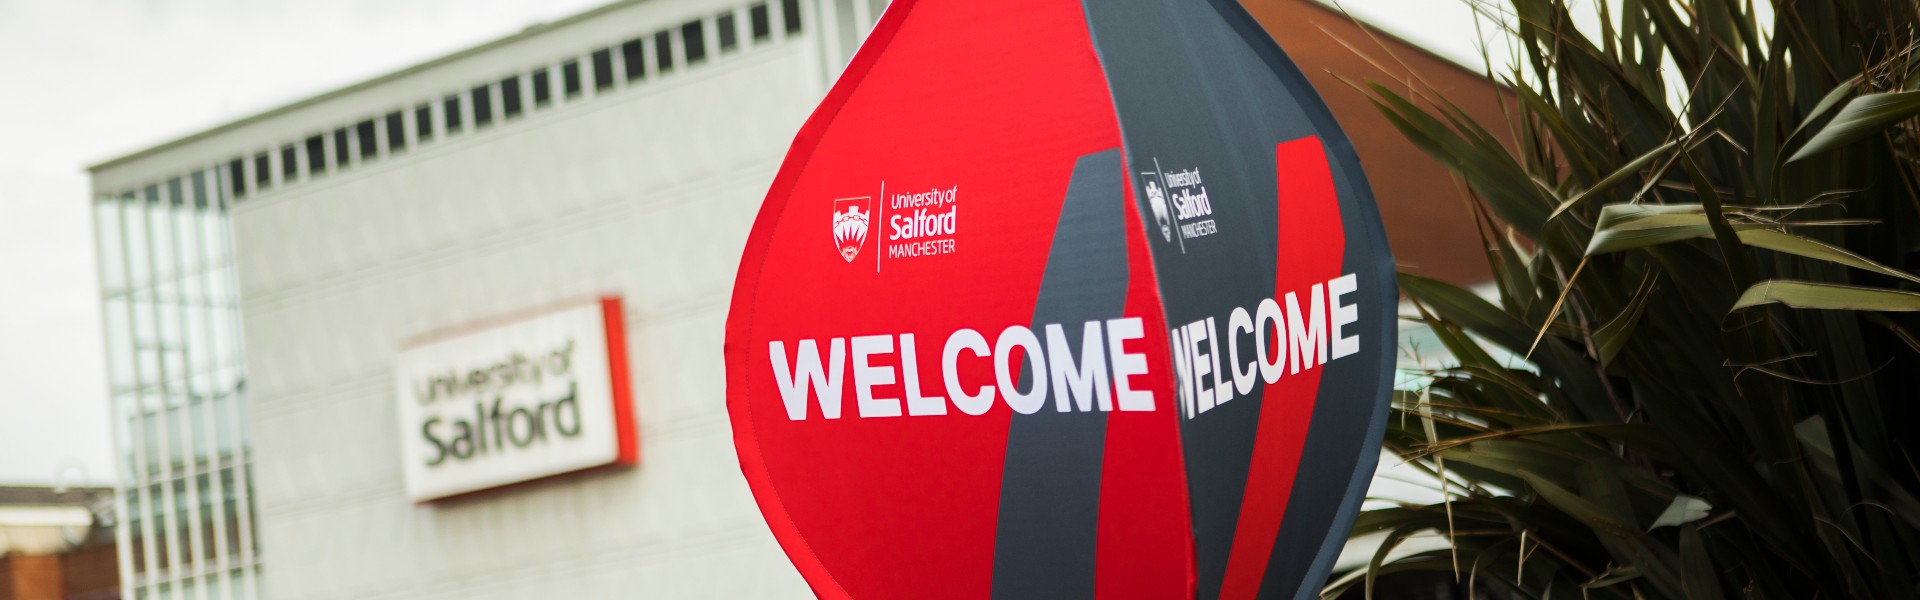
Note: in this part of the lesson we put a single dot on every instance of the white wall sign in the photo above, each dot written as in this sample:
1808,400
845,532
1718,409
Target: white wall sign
513,401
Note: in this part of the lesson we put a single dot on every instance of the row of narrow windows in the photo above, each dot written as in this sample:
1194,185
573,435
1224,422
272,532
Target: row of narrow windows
485,104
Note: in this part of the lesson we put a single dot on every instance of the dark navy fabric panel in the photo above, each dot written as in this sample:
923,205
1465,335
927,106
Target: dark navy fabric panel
1050,489
1201,86
1175,102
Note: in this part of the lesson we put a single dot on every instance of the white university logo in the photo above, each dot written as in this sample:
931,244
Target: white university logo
1180,203
850,225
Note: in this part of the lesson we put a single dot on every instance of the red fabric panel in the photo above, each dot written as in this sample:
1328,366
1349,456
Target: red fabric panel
1311,246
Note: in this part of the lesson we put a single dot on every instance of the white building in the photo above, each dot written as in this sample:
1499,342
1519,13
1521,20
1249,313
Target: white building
620,152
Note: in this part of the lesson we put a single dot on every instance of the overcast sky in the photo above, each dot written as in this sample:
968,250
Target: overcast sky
84,81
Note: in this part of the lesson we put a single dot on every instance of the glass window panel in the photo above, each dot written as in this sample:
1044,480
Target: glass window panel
289,163
369,144
213,236
729,31
602,68
253,515
570,77
693,40
177,446
119,330
543,87
161,247
510,96
762,23
482,106
663,52
149,432
176,193
180,222
316,155
423,122
199,191
201,360
237,177
244,412
790,13
138,541
170,333
183,522
133,229
206,445
149,371
162,539
633,52
396,132
208,541
231,492
223,331
143,325
237,580
453,113
262,171
223,422
220,286
342,151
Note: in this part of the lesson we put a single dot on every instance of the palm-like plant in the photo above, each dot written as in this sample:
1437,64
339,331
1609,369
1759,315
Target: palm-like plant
1703,230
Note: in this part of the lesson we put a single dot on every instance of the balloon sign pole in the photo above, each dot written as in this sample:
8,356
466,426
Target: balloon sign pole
1064,299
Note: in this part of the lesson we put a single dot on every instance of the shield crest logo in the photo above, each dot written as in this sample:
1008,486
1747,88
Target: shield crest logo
1158,200
850,225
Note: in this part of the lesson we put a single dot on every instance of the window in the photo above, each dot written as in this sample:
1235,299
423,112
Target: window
174,194
316,155
762,24
729,37
396,133
453,113
369,145
663,51
693,38
342,153
790,12
510,96
423,121
631,52
542,88
262,170
602,69
482,106
289,163
237,175
570,78
199,180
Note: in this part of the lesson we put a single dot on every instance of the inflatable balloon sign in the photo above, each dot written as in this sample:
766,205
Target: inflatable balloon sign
1064,299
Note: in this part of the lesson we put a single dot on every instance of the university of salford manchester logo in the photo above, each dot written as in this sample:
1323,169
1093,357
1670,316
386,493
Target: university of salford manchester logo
850,225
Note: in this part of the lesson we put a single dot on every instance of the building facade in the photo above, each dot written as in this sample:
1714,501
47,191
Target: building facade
620,152
262,279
